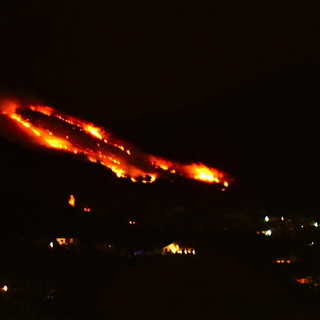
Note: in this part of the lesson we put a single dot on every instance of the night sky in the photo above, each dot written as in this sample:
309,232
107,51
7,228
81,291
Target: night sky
232,84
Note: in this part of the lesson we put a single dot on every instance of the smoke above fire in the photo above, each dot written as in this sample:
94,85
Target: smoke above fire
50,128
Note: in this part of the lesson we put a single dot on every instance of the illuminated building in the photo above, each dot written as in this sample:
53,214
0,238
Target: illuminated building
174,248
67,241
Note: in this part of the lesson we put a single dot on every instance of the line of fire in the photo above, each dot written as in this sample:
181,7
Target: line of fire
50,128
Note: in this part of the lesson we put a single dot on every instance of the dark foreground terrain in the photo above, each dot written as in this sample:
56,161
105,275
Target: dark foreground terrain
208,288
91,285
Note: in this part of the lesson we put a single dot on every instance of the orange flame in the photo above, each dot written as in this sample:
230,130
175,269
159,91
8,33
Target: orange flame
86,209
72,201
112,153
197,171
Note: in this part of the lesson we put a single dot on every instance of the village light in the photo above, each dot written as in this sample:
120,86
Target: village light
266,219
267,232
174,248
65,241
316,224
4,288
51,244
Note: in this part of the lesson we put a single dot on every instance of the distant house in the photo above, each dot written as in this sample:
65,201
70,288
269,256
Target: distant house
67,241
54,242
175,248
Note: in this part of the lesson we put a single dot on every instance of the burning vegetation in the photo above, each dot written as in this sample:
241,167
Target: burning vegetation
45,126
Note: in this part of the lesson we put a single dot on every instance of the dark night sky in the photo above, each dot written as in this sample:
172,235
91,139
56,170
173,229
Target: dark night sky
232,84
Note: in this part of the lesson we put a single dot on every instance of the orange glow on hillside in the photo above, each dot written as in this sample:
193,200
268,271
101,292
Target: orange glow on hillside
96,145
202,173
72,201
87,209
196,171
306,280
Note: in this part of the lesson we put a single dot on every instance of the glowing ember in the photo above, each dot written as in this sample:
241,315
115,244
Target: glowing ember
72,201
84,138
282,261
306,280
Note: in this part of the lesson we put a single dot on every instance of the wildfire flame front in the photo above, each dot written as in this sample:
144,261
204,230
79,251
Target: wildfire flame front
84,138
